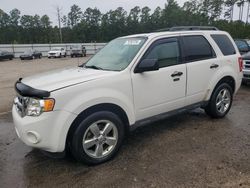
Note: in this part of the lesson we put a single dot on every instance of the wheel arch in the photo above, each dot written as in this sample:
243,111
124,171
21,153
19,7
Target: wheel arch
229,80
97,108
225,79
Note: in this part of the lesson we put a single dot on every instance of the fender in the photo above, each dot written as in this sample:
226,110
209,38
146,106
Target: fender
221,73
94,97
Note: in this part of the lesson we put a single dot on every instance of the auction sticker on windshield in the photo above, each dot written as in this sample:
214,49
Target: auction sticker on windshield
132,42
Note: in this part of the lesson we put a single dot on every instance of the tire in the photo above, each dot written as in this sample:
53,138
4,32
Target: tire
49,57
40,56
65,55
219,110
85,55
60,55
89,154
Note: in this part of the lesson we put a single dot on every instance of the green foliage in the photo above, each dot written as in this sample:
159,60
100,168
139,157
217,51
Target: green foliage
93,26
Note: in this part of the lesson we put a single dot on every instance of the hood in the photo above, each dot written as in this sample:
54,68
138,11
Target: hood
246,56
25,55
62,78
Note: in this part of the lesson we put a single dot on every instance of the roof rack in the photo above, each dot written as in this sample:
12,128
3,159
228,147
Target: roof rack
188,28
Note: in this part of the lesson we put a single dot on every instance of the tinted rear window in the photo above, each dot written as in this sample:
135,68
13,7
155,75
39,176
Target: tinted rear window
197,48
224,44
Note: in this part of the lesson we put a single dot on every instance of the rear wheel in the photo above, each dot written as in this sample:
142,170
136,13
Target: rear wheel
220,102
97,138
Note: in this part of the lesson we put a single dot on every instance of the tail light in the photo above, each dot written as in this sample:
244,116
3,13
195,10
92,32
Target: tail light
240,61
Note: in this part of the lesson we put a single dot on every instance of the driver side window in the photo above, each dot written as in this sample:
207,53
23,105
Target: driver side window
167,53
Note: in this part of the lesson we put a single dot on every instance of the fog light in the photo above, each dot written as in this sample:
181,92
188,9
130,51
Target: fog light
33,137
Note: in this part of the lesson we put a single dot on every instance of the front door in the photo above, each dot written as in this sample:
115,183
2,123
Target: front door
163,90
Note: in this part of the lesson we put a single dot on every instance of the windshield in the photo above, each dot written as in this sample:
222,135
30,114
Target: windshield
248,42
28,52
117,54
56,49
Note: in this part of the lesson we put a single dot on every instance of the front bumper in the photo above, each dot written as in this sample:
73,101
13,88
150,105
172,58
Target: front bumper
26,57
47,131
54,55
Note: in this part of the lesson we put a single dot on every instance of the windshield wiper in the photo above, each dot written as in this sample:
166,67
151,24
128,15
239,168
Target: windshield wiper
93,67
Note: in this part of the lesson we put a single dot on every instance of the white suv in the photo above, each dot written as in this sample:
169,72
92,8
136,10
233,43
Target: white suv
57,52
132,81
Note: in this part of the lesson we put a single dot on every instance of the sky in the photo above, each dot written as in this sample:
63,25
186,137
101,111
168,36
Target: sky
41,7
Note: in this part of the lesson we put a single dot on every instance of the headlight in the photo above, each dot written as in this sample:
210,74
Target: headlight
36,107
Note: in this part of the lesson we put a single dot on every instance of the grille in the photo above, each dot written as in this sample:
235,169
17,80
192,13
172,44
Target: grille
52,53
247,65
21,104
246,75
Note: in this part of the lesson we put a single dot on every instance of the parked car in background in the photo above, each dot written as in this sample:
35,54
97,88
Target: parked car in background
57,52
6,55
244,48
242,45
31,54
246,67
133,80
78,50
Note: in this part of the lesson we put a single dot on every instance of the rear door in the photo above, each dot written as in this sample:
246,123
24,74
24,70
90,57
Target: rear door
202,65
163,90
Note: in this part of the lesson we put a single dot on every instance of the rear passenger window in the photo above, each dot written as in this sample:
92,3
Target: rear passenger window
197,48
224,44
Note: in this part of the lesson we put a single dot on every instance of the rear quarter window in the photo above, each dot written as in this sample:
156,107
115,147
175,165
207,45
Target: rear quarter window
224,43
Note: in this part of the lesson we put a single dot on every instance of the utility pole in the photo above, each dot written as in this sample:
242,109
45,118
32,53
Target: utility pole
58,12
248,8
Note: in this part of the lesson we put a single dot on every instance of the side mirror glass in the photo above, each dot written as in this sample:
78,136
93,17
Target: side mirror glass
147,65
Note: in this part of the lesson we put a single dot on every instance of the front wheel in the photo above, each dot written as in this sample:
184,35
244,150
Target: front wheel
220,102
97,138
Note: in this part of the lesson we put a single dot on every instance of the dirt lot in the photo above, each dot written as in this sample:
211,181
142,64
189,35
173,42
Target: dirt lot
11,71
189,150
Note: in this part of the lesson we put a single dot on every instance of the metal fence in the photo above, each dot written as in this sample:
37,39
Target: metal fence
18,49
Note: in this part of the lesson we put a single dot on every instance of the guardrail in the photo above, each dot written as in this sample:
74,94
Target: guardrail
18,49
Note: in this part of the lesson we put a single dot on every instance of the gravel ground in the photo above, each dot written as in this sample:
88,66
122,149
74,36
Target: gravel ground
188,150
11,71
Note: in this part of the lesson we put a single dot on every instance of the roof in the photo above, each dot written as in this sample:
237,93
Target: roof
165,33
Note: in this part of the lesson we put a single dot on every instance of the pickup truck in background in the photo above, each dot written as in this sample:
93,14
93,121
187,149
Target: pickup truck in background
244,48
78,51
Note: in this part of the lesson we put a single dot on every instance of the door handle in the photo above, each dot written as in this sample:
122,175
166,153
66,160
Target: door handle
176,73
214,66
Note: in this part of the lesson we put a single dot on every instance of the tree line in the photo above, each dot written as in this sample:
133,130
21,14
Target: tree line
92,25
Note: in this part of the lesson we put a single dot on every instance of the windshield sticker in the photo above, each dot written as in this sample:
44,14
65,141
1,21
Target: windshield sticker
132,42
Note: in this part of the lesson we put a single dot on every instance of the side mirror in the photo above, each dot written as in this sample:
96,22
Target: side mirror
147,65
